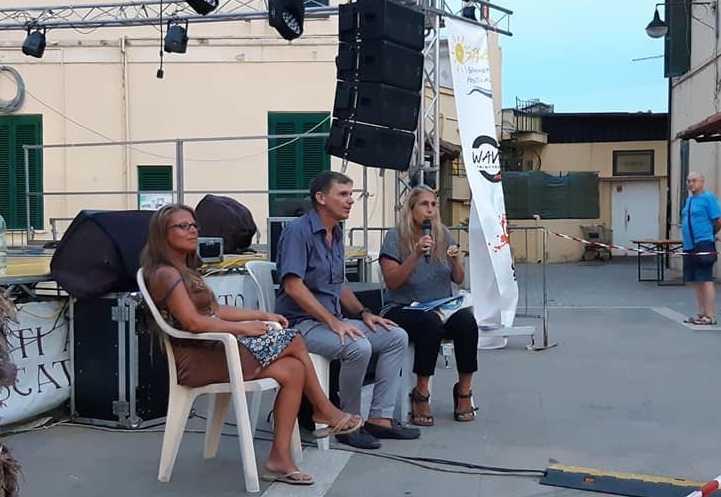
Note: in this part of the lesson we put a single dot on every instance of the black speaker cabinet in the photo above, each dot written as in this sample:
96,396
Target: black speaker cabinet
381,61
382,20
370,145
120,373
378,104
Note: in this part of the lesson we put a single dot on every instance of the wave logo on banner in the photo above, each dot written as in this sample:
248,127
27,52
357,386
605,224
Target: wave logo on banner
493,282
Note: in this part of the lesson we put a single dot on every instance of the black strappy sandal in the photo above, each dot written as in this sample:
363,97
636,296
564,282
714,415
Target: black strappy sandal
465,415
420,419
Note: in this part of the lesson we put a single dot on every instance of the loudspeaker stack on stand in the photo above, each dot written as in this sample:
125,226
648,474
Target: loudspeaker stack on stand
378,94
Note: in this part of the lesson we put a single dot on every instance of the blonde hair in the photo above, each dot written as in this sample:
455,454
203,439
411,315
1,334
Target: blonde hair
408,234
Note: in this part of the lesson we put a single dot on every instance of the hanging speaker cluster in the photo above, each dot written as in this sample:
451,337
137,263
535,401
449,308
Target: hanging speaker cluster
378,93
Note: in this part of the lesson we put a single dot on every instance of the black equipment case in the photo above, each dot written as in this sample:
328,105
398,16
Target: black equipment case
120,372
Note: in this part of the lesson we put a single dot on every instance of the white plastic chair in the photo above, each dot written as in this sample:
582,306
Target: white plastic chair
181,398
261,272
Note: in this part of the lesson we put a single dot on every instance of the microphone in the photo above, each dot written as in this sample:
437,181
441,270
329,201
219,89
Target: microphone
427,228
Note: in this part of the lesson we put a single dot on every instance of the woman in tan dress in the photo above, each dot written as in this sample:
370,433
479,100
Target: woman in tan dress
170,264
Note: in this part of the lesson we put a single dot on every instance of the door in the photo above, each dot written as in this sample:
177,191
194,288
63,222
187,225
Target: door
635,213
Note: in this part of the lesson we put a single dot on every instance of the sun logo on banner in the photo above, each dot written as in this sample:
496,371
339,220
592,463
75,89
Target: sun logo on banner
472,62
460,52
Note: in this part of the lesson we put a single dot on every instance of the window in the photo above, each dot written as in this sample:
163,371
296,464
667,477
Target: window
457,167
292,163
16,131
633,163
155,187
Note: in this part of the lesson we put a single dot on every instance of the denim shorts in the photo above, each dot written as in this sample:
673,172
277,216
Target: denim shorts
694,269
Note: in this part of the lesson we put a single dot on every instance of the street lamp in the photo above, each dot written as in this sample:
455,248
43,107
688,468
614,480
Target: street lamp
656,28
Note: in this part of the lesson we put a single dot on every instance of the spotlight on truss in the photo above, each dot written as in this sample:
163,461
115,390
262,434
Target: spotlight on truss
203,7
34,44
176,39
286,16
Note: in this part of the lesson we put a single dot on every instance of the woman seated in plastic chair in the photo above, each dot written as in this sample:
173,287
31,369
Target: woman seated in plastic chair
421,268
169,259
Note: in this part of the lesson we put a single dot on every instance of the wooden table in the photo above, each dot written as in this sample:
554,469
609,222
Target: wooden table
663,249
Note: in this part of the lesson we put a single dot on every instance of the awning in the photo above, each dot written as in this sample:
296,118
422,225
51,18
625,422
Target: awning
708,130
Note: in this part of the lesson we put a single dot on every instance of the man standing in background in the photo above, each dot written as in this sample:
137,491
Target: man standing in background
700,220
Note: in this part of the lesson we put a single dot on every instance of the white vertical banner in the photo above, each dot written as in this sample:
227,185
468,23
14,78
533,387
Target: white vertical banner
493,281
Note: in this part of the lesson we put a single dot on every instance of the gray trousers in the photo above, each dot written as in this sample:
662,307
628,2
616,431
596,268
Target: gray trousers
389,346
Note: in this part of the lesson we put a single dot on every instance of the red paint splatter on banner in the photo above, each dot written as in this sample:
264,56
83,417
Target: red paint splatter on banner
504,238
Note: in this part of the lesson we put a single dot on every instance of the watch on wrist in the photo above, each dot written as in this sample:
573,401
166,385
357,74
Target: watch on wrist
365,309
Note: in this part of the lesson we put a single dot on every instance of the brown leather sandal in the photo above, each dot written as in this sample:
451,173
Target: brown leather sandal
465,415
420,419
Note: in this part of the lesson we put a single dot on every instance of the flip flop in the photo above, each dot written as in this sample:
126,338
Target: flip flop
337,427
704,321
287,478
693,319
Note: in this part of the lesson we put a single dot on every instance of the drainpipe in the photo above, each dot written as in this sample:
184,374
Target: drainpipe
668,163
125,117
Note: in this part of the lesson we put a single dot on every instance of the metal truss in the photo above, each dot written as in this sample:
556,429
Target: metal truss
426,162
138,13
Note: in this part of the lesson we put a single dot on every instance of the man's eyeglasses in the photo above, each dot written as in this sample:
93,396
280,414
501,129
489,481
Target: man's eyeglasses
185,226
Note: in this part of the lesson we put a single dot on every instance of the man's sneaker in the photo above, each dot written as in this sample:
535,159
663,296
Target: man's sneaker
360,439
396,431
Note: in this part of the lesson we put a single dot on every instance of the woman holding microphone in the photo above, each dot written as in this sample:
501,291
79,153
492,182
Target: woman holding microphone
420,259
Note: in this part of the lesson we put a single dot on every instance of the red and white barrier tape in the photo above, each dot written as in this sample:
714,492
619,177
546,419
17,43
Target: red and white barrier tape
628,249
707,489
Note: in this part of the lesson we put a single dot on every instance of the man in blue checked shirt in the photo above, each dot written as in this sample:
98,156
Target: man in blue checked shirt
318,303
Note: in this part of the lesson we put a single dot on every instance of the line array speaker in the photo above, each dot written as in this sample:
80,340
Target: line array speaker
379,70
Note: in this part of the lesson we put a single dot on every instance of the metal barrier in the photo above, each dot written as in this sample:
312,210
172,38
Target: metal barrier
541,259
383,230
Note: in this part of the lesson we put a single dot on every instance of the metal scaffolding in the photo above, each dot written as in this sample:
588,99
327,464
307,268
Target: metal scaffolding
426,158
426,163
139,13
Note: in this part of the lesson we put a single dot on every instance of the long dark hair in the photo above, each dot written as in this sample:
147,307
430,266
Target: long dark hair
156,250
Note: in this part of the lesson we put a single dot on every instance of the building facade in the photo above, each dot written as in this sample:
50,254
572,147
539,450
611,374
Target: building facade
692,67
627,151
236,79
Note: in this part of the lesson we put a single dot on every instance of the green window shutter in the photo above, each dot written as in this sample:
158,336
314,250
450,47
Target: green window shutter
292,163
16,131
28,131
315,158
155,178
5,171
677,55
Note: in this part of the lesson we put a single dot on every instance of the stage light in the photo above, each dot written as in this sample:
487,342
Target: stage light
656,28
469,10
176,39
286,16
203,7
34,44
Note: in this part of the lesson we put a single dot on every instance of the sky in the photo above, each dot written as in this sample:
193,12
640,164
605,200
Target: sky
577,55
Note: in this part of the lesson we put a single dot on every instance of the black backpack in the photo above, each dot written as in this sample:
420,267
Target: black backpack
228,219
100,252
